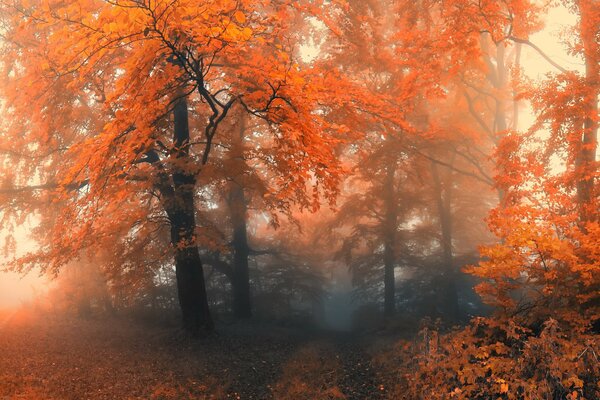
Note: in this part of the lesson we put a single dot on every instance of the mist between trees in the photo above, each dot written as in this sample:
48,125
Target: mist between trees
348,165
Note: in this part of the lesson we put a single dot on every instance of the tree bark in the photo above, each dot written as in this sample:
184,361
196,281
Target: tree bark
389,305
497,78
178,200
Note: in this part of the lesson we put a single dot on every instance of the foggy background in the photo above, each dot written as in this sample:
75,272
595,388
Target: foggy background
338,304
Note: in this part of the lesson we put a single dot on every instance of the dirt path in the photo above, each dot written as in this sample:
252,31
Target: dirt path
358,379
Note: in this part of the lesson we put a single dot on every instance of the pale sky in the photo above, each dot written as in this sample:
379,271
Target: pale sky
550,40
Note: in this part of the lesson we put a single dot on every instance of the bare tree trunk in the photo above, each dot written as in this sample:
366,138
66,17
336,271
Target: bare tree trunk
586,159
515,118
448,289
178,200
390,226
237,202
241,274
389,280
497,78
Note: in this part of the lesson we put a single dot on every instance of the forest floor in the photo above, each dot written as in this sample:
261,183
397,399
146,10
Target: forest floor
50,357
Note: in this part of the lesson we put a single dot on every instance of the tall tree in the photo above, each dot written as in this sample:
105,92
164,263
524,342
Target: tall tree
139,65
548,223
378,222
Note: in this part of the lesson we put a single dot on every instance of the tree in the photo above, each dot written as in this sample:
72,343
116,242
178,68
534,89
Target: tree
419,56
374,221
546,264
542,274
138,66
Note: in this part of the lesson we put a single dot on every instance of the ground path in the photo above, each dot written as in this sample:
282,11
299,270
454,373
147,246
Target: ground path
49,357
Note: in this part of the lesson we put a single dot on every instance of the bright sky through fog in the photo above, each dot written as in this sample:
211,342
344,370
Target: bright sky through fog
16,289
551,42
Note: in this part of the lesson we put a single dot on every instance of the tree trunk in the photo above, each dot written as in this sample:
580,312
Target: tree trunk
500,84
496,76
179,203
389,305
589,142
238,207
241,274
448,289
191,288
390,226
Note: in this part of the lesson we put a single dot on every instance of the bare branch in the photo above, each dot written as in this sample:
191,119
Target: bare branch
540,52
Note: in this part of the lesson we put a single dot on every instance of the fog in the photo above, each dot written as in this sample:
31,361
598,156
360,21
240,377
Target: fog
17,290
339,299
299,200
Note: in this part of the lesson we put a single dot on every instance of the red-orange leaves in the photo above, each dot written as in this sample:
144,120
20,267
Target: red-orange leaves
92,84
499,359
547,261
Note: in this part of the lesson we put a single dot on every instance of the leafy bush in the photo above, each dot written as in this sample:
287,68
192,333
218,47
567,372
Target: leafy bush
498,359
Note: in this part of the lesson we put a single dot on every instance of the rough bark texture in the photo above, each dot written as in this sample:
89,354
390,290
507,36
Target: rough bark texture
189,271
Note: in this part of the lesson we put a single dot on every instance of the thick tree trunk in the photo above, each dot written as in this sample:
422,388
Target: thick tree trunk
390,226
448,289
517,66
500,84
179,203
191,287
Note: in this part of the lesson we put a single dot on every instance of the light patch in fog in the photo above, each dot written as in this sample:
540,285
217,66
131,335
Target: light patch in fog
16,290
338,304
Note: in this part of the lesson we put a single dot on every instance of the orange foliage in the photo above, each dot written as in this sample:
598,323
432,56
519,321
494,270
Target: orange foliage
547,263
493,359
91,86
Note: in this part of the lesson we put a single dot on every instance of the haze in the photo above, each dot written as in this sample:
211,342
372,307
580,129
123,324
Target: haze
346,199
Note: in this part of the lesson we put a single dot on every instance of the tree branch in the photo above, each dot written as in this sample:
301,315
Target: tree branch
540,52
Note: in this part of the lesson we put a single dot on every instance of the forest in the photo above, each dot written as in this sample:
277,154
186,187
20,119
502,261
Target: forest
311,199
